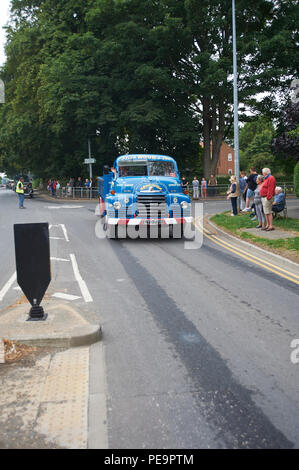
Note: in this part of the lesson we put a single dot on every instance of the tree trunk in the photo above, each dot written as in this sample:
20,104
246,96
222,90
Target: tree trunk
213,134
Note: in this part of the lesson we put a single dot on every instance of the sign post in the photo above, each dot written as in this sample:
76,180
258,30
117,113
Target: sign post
32,248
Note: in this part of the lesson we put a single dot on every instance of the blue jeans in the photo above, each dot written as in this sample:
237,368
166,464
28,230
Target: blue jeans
234,205
21,200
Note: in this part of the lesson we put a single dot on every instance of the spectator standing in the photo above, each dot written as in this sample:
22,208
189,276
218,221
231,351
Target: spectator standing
204,188
195,184
267,191
20,192
250,188
184,184
79,186
71,187
53,187
212,183
258,204
233,194
242,182
87,186
279,200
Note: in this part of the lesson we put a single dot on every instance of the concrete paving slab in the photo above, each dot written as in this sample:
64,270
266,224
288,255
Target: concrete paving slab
65,327
44,401
273,235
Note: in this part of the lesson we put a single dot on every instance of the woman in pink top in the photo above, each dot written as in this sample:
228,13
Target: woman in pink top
203,188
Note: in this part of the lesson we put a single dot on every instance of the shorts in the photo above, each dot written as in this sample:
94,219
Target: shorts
249,193
267,205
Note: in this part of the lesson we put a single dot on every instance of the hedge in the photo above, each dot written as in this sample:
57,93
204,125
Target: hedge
296,179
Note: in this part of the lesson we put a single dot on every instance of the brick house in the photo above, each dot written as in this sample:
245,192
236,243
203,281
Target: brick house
226,162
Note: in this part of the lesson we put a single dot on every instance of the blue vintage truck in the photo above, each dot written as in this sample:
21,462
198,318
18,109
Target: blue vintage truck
142,195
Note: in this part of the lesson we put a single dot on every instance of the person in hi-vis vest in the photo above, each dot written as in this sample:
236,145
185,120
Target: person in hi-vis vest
20,192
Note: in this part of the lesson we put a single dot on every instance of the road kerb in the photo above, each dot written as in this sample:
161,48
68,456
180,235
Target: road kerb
284,261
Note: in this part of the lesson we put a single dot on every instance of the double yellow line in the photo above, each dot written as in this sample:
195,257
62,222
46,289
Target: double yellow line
245,255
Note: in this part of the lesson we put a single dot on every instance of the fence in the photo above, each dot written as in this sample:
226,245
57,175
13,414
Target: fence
212,191
76,193
221,189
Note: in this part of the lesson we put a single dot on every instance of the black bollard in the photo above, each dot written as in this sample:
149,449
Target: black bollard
32,249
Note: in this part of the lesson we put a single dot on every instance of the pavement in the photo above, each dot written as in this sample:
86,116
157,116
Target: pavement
44,401
195,349
271,235
65,327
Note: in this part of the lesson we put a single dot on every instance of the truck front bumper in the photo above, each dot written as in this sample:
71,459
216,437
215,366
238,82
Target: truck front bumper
136,221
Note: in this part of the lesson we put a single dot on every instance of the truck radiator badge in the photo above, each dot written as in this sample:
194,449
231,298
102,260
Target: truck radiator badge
151,188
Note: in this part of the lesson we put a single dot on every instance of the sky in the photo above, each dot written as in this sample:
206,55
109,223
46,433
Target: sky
4,16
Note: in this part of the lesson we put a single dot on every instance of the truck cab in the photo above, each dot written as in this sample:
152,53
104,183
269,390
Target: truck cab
142,191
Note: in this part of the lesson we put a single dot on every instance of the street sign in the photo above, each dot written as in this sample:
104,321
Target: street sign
32,249
89,160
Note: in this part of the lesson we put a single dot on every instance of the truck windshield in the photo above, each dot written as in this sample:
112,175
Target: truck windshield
161,169
147,169
132,170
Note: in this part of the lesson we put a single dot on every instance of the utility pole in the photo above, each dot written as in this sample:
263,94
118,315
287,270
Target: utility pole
236,119
89,156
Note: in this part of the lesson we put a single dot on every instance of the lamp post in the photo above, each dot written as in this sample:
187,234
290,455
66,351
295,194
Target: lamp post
236,120
89,157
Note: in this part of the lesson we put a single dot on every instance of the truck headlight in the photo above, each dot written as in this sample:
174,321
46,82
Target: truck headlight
117,205
184,205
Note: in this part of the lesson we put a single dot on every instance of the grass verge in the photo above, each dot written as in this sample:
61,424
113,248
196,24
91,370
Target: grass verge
236,225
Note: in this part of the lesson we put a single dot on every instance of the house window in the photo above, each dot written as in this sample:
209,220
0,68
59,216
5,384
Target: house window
230,157
230,172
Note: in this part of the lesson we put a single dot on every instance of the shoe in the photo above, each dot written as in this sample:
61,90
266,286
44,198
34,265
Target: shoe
253,218
270,229
246,209
258,226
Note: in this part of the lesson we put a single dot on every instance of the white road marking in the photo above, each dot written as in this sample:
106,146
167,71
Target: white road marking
82,284
64,232
56,238
61,295
60,259
17,288
7,286
64,207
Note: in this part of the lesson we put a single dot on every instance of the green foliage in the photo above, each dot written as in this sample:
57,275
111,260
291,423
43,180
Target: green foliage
296,179
136,76
255,144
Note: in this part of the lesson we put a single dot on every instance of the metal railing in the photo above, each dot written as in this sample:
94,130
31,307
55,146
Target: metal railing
221,189
211,192
75,193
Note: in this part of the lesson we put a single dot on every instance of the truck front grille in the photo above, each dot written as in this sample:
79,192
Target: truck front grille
151,206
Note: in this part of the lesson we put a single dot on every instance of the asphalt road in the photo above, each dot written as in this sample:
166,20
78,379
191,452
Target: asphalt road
197,342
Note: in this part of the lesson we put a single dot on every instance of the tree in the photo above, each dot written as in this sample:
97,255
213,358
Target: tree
255,144
286,142
146,75
266,37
